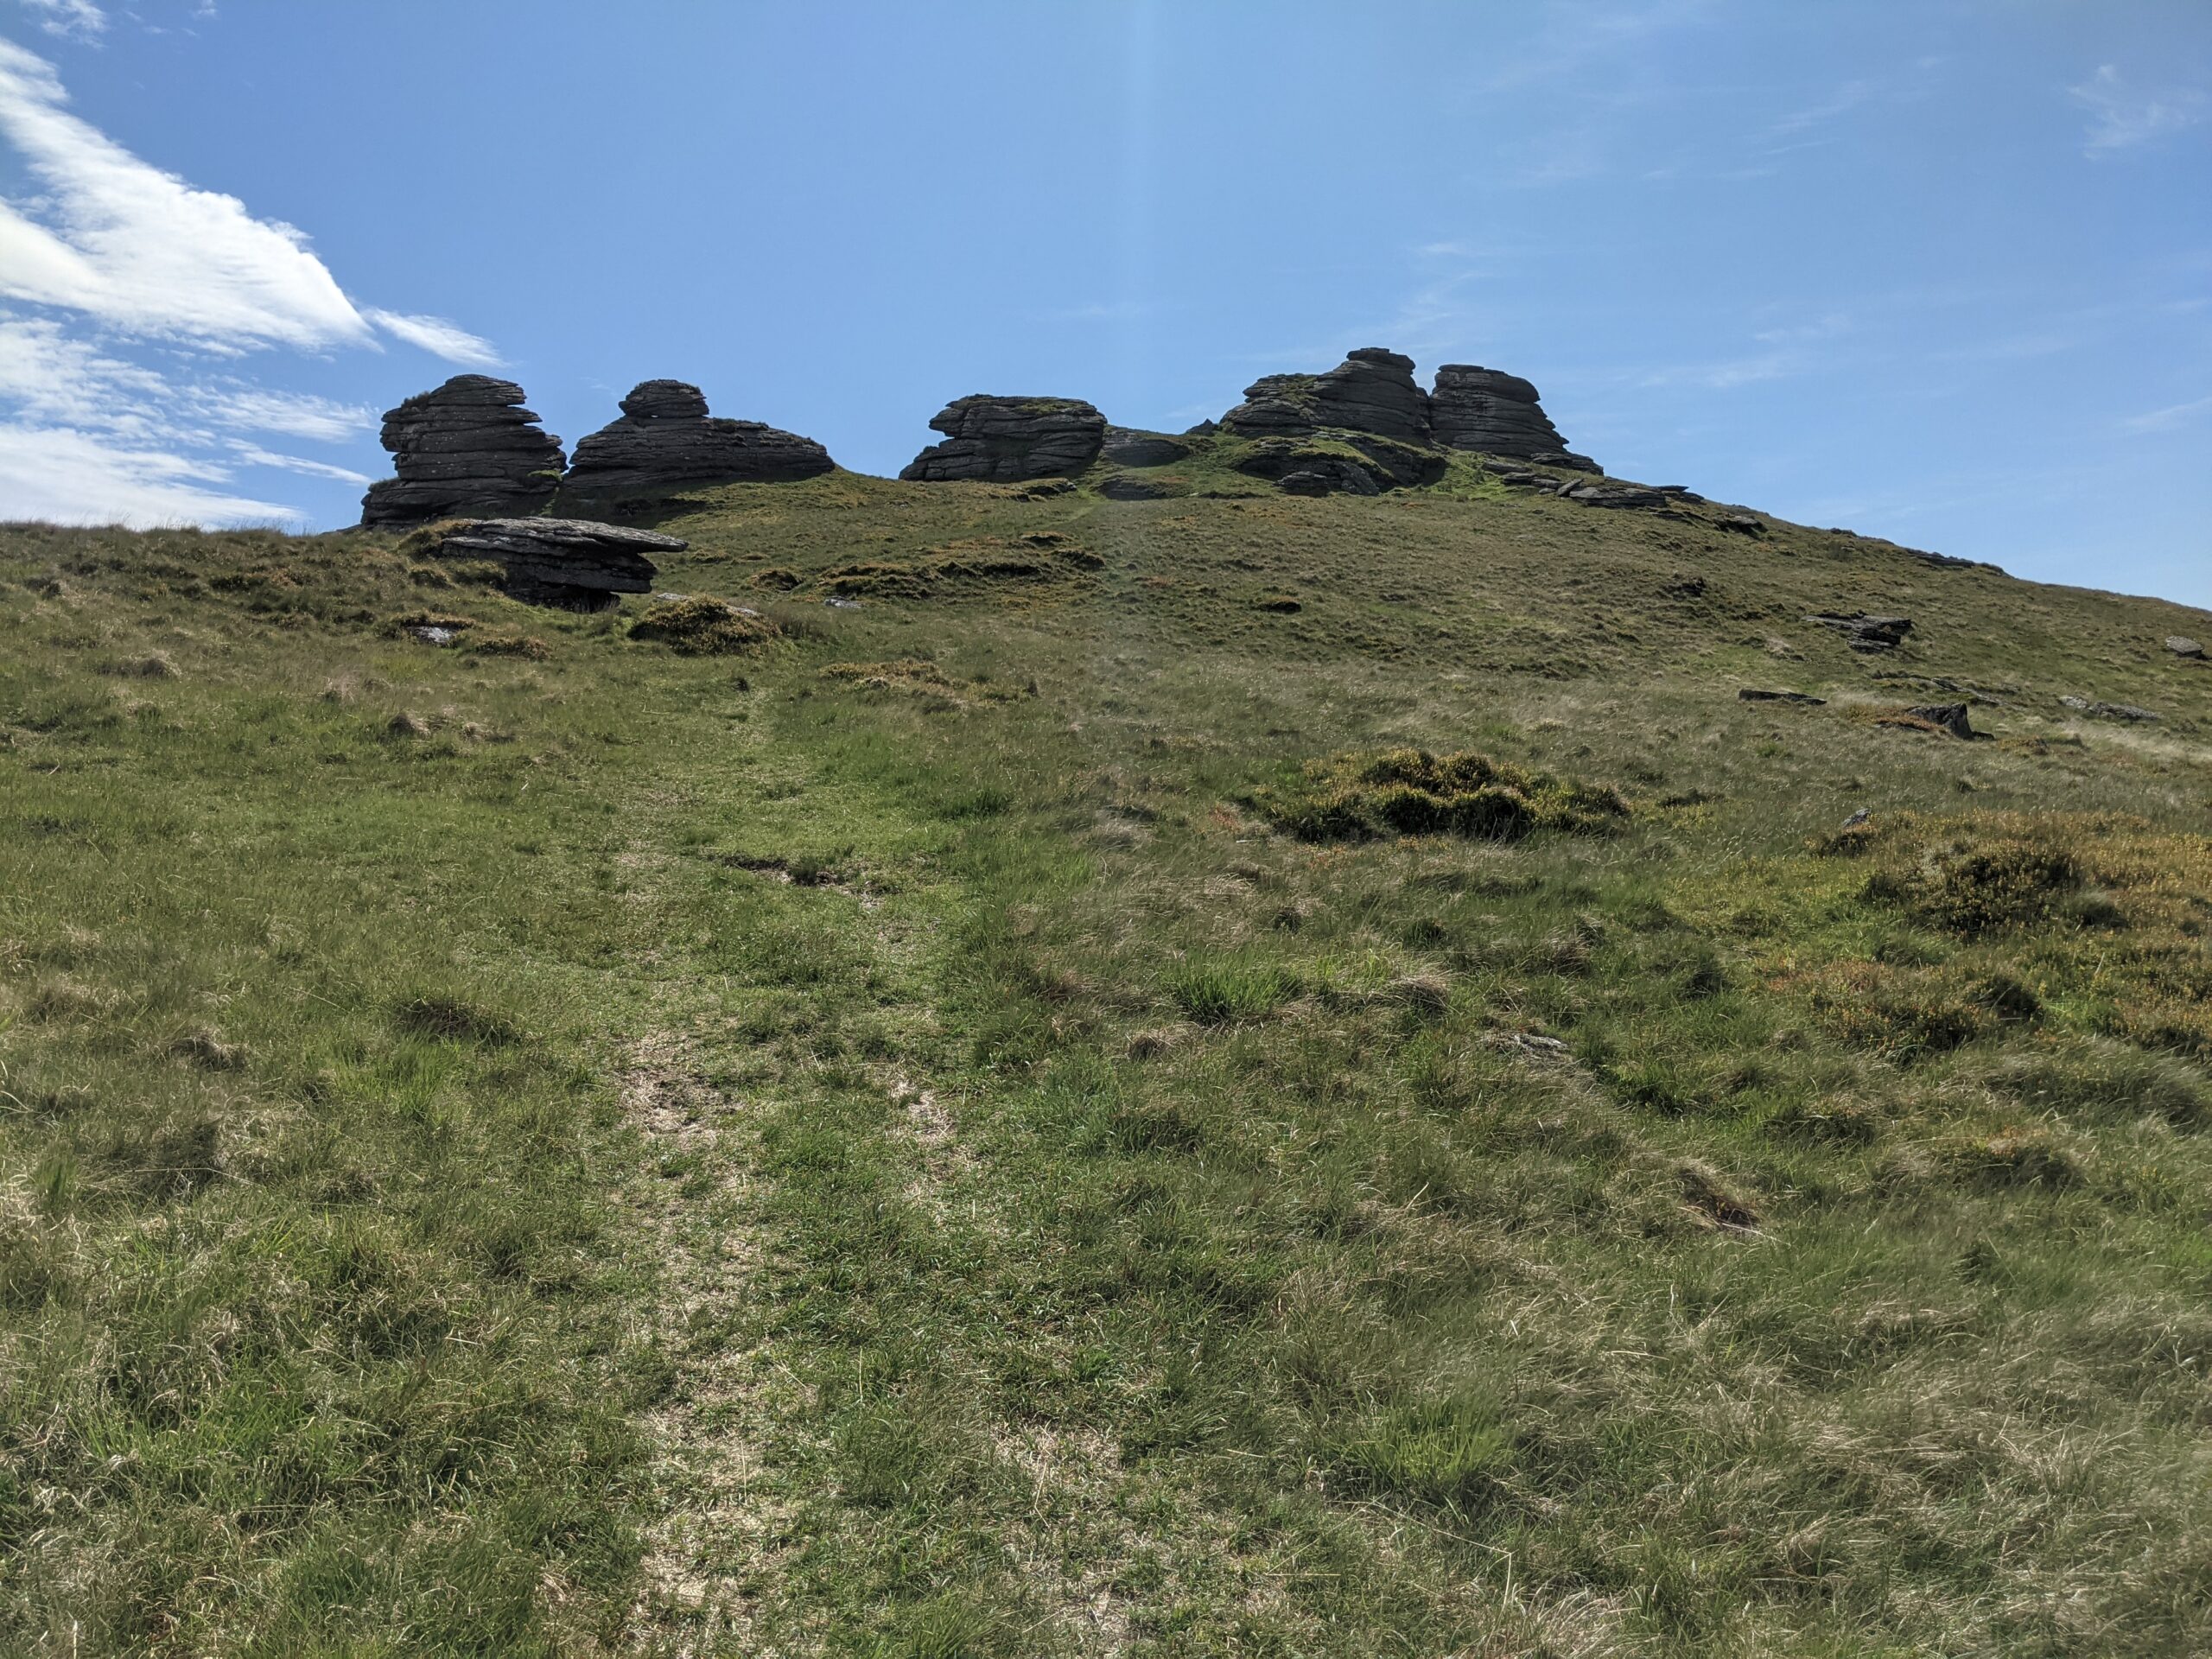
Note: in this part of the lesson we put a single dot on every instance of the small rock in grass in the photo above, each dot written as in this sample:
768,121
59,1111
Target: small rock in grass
2184,648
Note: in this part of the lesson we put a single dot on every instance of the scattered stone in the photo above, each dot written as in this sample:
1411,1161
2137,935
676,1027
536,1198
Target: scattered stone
572,563
2184,648
1529,1044
839,602
1750,694
666,440
1951,716
1742,524
1867,633
1285,604
433,635
1861,816
467,448
1007,439
1125,447
1496,414
2125,711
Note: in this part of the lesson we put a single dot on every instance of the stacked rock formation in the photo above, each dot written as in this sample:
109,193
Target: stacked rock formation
467,448
574,563
1496,414
1371,391
666,440
1371,402
1007,440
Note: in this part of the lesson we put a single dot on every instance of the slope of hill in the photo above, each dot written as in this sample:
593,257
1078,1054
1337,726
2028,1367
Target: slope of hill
1217,1074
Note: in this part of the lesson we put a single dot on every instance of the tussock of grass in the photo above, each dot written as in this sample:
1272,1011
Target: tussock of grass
1356,797
704,627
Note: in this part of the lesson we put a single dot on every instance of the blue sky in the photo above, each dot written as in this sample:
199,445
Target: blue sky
1935,269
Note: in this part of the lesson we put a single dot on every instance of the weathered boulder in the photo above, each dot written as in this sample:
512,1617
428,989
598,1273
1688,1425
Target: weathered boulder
2184,648
573,564
1007,440
1950,716
1496,414
1371,391
1753,693
468,447
1125,447
1867,633
666,440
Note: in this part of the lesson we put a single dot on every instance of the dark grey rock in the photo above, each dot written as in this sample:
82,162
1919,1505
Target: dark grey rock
1371,391
1751,694
1496,414
1007,439
1867,633
1618,496
468,448
574,563
665,441
1951,716
1744,524
1319,471
1125,447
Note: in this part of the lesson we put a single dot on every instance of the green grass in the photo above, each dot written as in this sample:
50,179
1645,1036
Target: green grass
897,1142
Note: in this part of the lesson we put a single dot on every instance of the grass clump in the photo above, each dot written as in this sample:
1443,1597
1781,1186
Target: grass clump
1364,797
704,627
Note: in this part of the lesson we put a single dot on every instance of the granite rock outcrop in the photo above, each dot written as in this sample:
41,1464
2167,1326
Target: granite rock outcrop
665,440
467,448
1010,439
1496,414
1371,401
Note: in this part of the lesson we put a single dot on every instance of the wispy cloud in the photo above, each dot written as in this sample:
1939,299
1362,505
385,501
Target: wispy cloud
254,455
73,20
2121,118
2161,420
74,477
438,337
103,255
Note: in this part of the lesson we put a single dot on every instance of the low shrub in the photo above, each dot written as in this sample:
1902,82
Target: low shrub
1360,796
704,627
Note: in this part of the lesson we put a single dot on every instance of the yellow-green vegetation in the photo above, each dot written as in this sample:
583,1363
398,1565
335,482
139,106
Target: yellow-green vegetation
1067,1106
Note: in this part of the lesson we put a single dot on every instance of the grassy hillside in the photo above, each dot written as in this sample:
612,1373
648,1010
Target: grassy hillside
1222,1075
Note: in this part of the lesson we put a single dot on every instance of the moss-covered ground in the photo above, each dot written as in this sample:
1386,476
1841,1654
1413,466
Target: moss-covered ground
879,1128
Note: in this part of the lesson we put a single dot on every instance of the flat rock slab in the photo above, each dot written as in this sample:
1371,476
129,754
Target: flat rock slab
2182,645
1950,716
564,553
1751,694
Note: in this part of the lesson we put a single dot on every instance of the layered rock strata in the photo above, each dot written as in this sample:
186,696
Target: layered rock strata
1496,414
573,564
665,441
1008,439
468,448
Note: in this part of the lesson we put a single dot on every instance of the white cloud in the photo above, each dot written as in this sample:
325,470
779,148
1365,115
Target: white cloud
2121,118
438,337
124,286
254,455
142,251
78,20
296,413
75,477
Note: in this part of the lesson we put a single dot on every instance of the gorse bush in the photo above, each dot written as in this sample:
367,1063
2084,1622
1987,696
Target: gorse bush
1357,797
